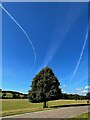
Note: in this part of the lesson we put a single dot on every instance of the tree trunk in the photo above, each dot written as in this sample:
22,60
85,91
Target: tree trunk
44,105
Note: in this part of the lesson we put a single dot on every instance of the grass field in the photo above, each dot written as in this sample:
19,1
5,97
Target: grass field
18,106
85,115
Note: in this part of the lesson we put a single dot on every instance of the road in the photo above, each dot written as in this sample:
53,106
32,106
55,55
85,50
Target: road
66,112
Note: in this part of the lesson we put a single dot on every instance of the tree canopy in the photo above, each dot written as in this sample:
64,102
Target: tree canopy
45,86
88,96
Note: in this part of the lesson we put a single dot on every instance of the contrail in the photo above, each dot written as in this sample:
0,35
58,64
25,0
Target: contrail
22,30
86,37
61,30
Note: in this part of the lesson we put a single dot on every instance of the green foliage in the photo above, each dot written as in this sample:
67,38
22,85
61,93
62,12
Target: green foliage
88,96
45,86
73,96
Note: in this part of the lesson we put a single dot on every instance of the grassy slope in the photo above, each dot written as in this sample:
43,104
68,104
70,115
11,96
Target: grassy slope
17,106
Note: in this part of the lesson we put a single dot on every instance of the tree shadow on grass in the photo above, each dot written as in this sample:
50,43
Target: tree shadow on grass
70,105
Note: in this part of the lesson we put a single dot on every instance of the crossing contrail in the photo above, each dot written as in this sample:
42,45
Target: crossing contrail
81,54
22,30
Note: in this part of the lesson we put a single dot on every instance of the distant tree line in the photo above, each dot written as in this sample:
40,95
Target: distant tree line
12,95
45,87
74,96
17,95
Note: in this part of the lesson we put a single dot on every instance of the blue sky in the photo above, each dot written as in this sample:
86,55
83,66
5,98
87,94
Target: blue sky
57,31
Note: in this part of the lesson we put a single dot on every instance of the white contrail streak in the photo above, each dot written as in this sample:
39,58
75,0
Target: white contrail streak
22,30
61,30
81,54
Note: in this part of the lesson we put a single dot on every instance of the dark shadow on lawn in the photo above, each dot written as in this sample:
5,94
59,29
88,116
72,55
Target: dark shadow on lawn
70,105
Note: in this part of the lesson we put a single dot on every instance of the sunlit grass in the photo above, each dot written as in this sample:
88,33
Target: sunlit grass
85,115
18,106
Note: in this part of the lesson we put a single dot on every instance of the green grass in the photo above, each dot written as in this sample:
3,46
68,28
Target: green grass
65,102
85,115
18,106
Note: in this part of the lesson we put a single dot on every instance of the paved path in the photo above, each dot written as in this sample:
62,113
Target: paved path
56,113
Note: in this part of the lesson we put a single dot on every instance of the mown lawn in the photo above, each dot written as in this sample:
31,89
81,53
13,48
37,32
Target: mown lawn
18,106
85,115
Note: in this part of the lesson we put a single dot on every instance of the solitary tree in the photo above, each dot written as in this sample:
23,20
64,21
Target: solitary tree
45,86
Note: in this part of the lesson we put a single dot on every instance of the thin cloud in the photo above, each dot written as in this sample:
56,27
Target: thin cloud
63,29
87,87
64,85
84,91
78,89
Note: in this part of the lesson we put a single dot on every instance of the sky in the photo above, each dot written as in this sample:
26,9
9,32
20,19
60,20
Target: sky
58,32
